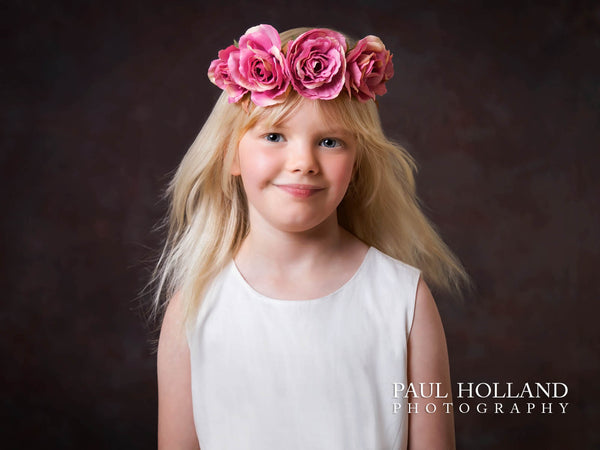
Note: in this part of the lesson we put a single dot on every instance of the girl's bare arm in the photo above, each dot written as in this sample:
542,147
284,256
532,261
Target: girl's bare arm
175,417
428,363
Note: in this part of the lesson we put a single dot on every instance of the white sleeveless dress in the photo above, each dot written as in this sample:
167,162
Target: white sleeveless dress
272,374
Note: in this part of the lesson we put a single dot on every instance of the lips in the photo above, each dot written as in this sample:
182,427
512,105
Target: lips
300,190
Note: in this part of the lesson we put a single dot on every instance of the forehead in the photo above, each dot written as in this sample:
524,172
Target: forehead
327,114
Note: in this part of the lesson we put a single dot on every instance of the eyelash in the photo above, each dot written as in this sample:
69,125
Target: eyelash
278,137
337,142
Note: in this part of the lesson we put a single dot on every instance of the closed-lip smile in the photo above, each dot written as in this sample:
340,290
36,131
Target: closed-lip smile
300,190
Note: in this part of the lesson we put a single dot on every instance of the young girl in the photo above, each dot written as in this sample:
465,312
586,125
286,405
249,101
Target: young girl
299,315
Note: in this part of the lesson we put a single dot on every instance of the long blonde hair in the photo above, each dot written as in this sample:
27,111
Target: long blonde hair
208,216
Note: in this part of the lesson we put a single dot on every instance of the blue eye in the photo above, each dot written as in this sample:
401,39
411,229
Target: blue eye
330,143
274,137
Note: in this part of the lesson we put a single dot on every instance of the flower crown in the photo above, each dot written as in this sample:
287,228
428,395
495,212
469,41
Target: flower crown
316,64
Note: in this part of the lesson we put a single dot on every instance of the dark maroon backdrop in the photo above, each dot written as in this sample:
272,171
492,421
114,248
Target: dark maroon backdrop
499,104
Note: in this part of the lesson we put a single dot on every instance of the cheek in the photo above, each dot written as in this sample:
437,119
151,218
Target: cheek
342,171
257,168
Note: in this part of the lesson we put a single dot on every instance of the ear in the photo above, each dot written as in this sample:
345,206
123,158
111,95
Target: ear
235,164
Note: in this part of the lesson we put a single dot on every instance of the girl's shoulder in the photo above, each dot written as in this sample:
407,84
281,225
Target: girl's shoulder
386,265
380,265
394,285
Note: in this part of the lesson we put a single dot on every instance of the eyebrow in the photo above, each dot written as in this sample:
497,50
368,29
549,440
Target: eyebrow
325,131
338,131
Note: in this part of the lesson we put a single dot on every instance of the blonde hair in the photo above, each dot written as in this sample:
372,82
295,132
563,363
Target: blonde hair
208,216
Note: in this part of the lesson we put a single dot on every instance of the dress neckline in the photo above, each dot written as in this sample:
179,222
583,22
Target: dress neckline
237,274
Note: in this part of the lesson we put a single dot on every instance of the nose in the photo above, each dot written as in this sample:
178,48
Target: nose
302,158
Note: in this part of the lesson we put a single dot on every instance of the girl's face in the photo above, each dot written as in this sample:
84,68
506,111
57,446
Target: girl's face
296,173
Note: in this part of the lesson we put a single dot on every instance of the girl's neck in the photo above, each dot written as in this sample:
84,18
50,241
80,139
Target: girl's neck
297,266
280,249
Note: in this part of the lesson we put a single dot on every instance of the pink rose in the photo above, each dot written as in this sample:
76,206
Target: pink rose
261,68
317,64
369,67
219,73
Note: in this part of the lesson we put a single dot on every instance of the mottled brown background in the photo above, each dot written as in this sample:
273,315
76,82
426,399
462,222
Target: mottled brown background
499,103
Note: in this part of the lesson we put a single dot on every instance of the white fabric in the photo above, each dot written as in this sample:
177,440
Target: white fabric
304,374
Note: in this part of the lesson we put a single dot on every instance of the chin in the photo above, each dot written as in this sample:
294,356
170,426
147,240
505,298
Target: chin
305,224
